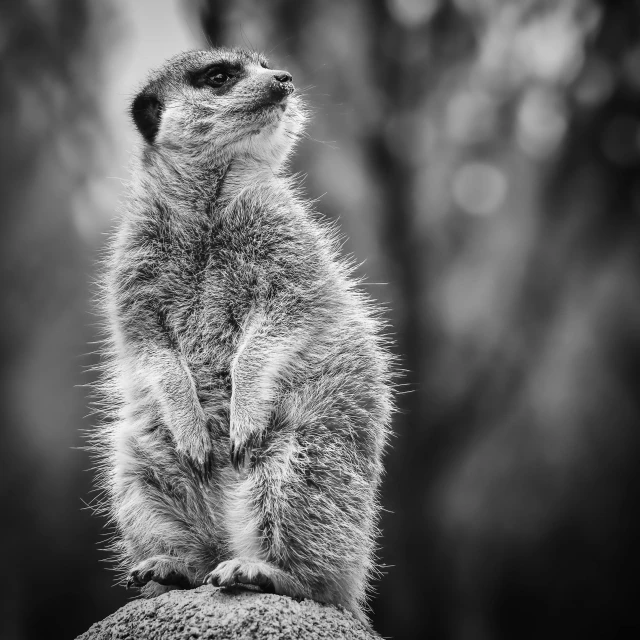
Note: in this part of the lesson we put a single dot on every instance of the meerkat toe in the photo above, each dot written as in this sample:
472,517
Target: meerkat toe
223,574
237,455
242,571
139,577
242,452
251,575
164,570
213,579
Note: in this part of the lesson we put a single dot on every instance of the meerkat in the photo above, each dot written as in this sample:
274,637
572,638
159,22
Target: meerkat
247,377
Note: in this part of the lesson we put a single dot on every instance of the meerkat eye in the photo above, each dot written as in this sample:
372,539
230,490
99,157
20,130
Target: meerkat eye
217,79
264,65
215,75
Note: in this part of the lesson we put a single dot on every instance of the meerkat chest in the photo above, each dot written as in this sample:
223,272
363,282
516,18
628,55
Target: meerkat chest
204,275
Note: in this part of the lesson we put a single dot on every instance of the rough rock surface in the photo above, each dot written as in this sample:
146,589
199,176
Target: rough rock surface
208,612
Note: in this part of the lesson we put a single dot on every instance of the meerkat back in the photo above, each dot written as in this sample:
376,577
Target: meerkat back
247,378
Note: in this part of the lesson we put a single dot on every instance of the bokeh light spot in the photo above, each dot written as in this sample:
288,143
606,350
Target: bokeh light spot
541,123
551,47
412,13
479,188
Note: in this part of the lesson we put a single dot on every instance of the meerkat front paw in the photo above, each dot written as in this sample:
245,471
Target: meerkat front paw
244,437
196,446
242,571
165,570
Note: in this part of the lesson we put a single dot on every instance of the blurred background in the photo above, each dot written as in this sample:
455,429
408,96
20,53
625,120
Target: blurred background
483,159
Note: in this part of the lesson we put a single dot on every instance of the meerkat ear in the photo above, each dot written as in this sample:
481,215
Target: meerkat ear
146,111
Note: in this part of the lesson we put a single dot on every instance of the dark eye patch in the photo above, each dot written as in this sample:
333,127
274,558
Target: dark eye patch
202,77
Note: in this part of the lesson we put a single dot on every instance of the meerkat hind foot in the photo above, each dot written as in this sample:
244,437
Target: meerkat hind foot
165,570
244,571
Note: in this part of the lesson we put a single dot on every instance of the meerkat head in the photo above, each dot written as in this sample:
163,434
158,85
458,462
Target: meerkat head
219,105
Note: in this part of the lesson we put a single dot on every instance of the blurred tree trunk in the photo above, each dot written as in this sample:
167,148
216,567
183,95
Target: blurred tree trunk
49,126
487,168
534,507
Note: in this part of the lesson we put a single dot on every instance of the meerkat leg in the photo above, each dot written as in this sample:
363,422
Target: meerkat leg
313,496
155,547
153,513
248,564
264,359
297,528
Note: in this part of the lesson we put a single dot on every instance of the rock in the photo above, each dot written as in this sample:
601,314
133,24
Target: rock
209,612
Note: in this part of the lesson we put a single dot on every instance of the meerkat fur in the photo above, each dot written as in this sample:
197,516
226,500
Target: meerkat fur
246,377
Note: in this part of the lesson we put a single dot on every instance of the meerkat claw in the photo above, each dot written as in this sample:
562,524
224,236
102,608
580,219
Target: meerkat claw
234,454
136,579
240,455
212,580
243,455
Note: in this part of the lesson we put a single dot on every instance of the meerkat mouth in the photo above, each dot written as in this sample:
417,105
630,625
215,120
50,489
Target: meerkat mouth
269,108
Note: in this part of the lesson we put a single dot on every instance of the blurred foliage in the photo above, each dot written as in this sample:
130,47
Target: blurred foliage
483,157
50,128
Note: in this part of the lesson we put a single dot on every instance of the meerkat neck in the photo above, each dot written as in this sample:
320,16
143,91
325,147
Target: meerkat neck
246,174
186,183
189,188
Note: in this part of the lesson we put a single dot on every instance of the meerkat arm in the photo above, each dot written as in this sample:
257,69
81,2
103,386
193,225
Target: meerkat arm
173,388
261,362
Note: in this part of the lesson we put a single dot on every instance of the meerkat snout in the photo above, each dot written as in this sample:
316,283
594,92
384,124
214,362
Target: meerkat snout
281,85
273,88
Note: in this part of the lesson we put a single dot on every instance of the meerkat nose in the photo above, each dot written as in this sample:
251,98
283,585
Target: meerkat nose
281,85
283,76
